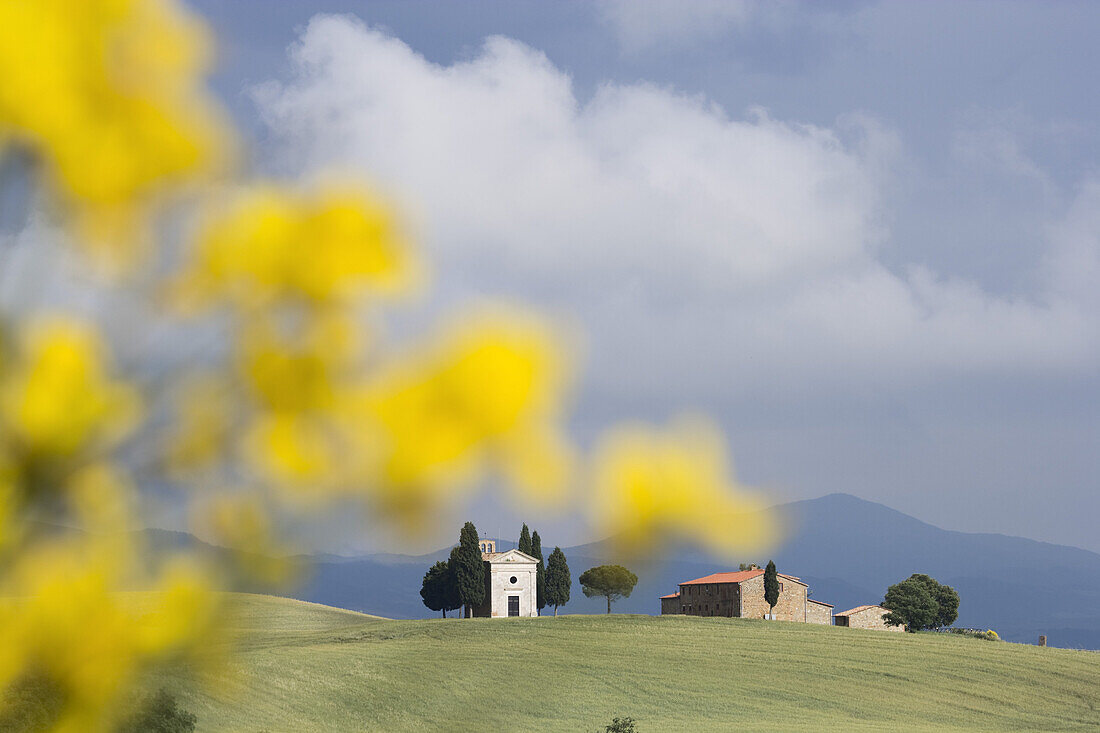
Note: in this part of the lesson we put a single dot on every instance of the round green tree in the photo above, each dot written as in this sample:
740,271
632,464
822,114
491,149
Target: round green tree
910,608
439,590
911,603
610,581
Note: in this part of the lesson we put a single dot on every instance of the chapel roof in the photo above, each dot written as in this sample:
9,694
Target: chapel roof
508,556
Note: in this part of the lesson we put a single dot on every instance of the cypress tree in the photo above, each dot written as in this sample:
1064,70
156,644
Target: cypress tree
469,569
540,572
557,580
525,540
771,586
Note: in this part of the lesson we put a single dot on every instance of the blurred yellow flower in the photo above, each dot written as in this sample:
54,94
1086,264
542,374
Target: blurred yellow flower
59,400
490,393
243,523
10,529
107,95
202,436
296,451
338,244
66,621
651,487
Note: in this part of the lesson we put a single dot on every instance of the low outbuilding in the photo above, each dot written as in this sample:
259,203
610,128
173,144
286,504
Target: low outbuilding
865,617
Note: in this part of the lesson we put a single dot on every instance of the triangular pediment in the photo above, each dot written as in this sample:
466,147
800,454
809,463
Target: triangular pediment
511,556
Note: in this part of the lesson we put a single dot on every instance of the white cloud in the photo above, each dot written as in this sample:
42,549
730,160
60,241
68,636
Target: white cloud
503,157
692,245
642,24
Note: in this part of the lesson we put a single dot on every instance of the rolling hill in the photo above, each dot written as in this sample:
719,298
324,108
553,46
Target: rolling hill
303,667
848,550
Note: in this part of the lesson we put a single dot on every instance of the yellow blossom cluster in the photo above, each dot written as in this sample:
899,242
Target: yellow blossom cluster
58,399
64,617
491,392
654,486
272,244
107,95
323,414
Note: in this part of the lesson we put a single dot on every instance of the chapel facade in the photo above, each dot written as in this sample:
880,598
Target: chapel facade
509,583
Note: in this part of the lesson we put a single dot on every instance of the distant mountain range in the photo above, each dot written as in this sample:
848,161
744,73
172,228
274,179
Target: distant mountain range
849,551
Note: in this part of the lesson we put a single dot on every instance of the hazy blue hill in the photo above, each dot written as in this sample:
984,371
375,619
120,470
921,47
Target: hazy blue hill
848,550
1018,586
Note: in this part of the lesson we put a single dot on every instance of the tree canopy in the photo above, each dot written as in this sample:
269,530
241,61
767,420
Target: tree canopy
557,580
439,589
920,602
610,581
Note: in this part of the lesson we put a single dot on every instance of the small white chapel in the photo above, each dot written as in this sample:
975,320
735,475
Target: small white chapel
509,582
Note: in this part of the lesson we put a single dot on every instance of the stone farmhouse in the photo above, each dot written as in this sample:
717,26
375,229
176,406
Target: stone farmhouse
741,595
509,583
866,617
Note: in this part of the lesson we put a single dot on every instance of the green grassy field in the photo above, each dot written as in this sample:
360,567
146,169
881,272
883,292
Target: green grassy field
303,667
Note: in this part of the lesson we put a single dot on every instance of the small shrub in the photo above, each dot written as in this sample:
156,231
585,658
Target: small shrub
32,703
621,725
988,635
161,714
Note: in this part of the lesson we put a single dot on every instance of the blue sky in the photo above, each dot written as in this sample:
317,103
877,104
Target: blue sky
864,236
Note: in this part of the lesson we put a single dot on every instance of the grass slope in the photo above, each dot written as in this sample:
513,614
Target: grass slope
306,667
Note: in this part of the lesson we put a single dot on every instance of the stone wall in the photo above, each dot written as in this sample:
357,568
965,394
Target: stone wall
710,599
670,605
791,605
818,613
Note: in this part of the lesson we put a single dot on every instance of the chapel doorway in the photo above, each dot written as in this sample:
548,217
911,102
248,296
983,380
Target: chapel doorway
513,605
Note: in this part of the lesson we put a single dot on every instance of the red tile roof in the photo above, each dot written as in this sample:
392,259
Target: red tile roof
737,577
858,609
725,577
670,595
